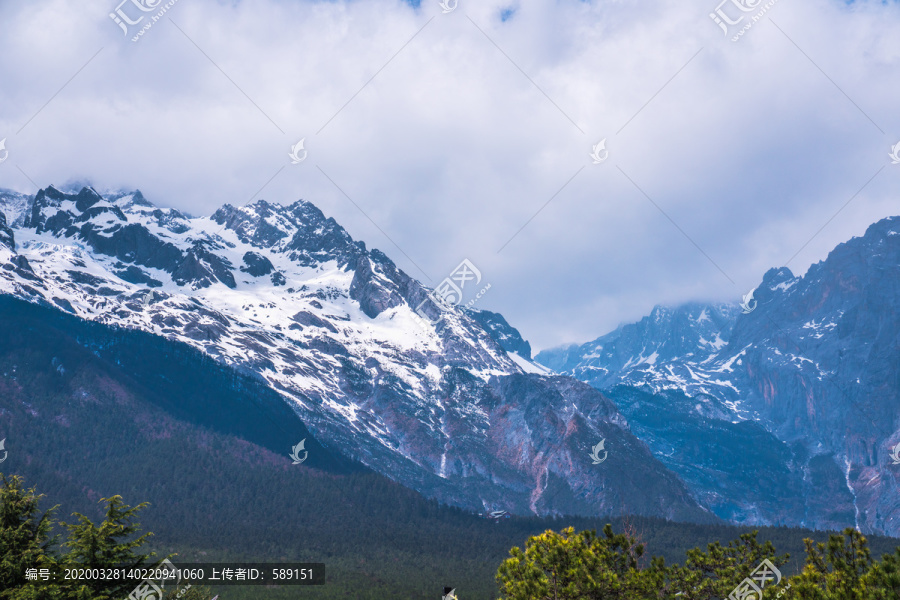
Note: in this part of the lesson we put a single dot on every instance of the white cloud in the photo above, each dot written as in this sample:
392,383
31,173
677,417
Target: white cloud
450,149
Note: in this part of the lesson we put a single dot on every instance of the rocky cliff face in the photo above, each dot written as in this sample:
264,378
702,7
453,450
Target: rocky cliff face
816,365
7,237
506,335
284,294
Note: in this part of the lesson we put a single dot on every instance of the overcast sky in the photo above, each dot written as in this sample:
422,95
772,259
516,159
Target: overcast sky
437,136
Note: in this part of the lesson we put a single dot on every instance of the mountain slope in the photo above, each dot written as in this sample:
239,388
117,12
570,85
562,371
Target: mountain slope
285,295
815,364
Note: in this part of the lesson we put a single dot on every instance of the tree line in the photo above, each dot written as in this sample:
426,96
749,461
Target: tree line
612,566
562,565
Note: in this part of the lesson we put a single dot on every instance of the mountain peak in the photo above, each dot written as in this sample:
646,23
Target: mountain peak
775,277
885,227
128,198
503,333
51,191
87,198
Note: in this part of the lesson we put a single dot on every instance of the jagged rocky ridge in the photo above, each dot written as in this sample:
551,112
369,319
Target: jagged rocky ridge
783,415
453,409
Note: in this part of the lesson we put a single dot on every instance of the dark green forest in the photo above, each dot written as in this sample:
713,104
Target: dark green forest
553,565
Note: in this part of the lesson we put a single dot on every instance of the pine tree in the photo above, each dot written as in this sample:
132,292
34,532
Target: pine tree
713,574
882,582
838,570
112,544
570,566
25,539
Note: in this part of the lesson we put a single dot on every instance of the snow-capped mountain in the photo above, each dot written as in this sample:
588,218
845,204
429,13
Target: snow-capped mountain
662,348
450,405
804,379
